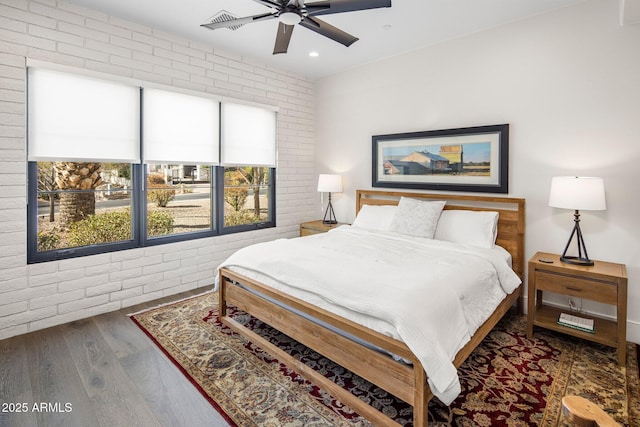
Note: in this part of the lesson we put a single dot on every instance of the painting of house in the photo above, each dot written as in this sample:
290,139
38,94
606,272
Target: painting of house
399,167
417,163
432,162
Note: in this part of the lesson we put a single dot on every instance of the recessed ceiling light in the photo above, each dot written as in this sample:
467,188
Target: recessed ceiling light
386,27
314,54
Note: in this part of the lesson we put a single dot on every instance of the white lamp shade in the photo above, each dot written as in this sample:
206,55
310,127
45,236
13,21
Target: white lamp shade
330,183
578,193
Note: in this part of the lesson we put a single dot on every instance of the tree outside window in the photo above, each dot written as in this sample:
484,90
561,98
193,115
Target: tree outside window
246,195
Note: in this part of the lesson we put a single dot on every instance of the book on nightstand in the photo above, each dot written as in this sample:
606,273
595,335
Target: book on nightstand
576,322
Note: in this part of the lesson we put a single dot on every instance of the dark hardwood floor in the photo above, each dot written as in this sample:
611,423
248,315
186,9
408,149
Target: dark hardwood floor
101,371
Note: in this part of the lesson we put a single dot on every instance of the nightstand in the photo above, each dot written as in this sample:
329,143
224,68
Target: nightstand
316,227
604,282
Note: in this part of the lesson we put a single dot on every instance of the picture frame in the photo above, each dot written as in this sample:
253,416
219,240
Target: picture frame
474,159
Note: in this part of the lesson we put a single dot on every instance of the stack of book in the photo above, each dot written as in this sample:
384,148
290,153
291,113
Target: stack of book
576,322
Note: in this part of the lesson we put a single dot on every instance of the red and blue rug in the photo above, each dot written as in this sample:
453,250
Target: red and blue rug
509,380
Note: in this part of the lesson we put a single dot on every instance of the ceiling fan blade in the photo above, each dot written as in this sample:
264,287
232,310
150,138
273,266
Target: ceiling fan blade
238,22
340,6
328,30
282,38
318,6
269,3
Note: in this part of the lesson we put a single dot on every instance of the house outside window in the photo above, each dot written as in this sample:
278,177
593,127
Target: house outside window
179,196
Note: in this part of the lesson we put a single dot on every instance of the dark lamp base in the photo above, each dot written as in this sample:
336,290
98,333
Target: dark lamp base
329,215
576,260
582,249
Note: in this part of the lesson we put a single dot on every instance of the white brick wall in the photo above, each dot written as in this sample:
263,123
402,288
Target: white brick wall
42,295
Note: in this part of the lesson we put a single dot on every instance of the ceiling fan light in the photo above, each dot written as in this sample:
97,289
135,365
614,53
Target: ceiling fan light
289,18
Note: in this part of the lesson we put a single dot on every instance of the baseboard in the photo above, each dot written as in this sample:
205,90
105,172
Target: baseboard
633,331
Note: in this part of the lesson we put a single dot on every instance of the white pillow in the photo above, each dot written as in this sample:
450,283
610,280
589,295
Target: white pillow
417,217
477,228
374,217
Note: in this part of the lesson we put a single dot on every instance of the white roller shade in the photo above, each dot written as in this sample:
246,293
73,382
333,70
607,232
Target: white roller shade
248,135
73,117
180,128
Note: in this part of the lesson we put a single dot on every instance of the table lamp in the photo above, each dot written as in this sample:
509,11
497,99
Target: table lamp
328,183
577,193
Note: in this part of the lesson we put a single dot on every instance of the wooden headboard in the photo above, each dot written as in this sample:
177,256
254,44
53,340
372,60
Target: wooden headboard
510,219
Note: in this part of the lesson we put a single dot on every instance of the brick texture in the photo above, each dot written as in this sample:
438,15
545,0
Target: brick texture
42,295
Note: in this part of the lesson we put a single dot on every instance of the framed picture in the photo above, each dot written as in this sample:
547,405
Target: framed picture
465,159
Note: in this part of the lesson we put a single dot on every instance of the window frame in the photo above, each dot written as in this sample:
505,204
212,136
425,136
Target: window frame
139,218
35,256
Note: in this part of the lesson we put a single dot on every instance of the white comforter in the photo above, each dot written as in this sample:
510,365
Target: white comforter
434,294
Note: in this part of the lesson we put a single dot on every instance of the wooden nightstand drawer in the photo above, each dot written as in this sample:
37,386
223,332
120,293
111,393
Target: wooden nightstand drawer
309,231
577,287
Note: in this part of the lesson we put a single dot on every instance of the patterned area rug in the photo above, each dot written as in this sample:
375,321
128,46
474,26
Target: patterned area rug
509,380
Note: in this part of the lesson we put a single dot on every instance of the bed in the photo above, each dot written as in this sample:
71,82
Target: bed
372,348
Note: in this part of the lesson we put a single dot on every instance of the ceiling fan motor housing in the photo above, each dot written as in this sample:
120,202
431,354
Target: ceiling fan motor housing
290,17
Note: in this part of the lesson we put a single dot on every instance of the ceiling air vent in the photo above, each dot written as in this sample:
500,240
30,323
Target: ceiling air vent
224,16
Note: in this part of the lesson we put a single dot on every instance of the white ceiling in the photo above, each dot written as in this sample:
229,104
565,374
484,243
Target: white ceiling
406,26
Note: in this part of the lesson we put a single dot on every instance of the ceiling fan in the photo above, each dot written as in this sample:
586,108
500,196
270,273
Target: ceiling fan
292,12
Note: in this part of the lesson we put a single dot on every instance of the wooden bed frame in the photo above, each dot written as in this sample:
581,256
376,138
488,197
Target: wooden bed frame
407,382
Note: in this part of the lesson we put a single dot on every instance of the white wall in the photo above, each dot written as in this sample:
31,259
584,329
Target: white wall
41,295
567,82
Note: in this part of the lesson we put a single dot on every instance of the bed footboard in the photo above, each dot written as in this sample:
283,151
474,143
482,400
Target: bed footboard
408,383
401,380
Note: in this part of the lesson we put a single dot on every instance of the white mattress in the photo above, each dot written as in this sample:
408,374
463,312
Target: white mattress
342,271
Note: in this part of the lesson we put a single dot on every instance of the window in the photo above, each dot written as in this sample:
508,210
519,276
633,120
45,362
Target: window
71,140
82,204
115,166
178,199
248,197
181,134
248,153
